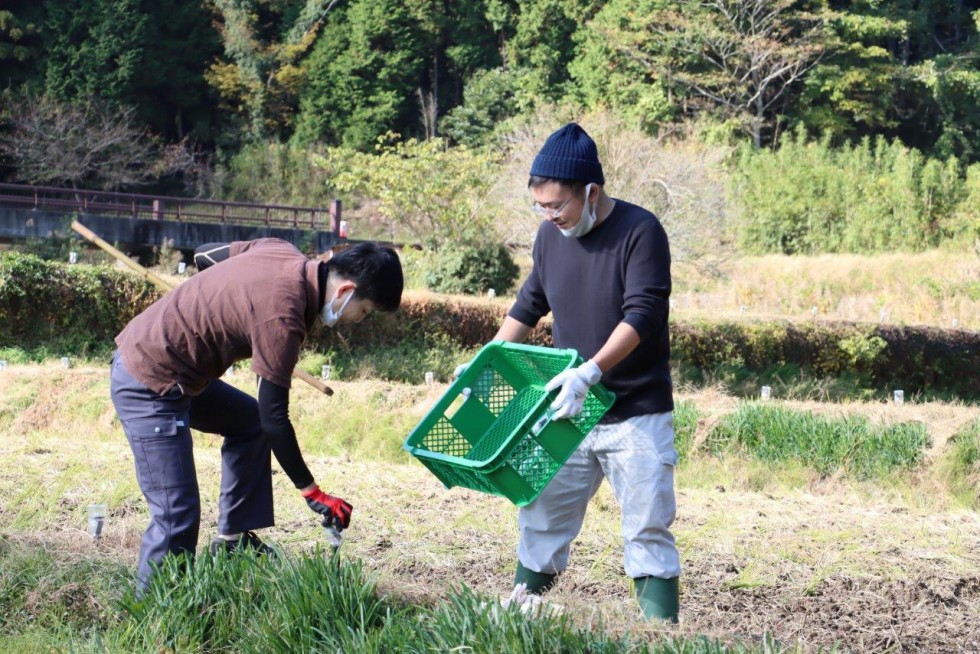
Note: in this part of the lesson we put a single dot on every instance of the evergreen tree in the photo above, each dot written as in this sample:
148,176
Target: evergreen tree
362,75
260,75
905,68
544,41
21,46
96,49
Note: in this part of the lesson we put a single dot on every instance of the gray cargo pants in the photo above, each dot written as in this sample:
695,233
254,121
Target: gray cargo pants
158,429
637,456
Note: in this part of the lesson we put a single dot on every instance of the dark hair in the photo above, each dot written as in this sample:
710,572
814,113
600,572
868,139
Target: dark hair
570,184
375,269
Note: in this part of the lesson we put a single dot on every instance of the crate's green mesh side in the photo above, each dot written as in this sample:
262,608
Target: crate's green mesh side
592,412
510,419
538,369
493,390
510,406
456,476
533,463
445,439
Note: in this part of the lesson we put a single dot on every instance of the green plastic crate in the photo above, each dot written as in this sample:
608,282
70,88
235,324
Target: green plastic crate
492,430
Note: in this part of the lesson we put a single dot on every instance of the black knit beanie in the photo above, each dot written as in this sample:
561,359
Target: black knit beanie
569,154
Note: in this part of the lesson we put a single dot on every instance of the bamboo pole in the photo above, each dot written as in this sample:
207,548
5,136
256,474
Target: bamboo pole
167,286
143,272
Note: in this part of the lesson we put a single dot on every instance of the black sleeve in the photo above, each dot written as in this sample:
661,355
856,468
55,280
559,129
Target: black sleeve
532,303
209,254
274,415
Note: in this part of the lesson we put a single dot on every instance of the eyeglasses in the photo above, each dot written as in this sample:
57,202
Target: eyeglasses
545,212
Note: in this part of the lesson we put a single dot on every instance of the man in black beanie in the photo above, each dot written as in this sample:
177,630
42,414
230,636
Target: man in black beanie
602,268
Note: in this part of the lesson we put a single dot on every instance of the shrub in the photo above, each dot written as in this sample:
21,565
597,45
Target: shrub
434,192
277,173
809,197
472,268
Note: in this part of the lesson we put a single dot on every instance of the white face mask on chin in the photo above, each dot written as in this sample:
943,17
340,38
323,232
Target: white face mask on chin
586,222
328,316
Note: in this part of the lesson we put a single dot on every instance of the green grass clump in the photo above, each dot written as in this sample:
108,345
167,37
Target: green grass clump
960,466
685,424
847,443
247,604
241,604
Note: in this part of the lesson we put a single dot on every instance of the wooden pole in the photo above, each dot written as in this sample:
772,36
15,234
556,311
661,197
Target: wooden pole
143,272
167,286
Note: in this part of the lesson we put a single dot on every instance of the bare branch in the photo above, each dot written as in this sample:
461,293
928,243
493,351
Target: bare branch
92,145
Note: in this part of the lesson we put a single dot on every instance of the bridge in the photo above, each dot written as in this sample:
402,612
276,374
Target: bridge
138,223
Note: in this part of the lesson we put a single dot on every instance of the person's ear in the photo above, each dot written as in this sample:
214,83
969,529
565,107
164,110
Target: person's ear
345,286
593,194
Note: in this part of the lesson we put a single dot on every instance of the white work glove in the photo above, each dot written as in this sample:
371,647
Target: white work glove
460,369
575,385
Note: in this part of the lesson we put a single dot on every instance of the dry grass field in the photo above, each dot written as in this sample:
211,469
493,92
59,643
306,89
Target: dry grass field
878,565
935,288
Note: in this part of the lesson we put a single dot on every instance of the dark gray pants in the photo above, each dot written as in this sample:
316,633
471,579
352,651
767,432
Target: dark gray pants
158,429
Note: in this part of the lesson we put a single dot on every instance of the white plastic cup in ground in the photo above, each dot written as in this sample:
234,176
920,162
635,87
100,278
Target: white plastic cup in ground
334,538
181,267
3,365
491,294
766,393
325,372
73,257
813,310
883,316
96,520
899,397
955,324
429,377
66,362
343,229
741,308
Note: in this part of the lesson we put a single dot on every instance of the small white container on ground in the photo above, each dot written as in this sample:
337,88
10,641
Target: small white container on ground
96,520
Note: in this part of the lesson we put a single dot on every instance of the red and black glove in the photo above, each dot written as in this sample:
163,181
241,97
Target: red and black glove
333,509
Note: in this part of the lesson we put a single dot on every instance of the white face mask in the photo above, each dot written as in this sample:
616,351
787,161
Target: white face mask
328,316
586,222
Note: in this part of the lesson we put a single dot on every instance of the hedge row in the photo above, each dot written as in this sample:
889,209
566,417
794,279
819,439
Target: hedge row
913,358
83,306
75,308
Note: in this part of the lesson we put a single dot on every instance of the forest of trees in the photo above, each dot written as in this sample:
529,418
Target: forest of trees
224,72
185,87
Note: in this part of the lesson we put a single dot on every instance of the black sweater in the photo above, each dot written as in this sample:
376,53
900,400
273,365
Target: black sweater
618,272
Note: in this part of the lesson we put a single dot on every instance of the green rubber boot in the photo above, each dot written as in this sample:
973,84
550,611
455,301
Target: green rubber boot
537,582
659,598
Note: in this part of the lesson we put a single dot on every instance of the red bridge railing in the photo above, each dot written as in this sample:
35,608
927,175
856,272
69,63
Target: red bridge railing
158,207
